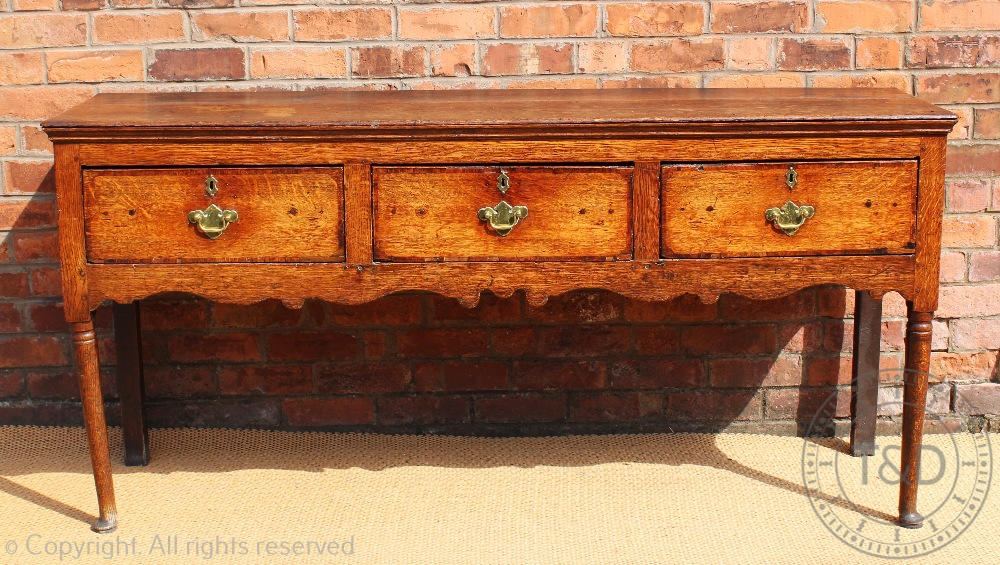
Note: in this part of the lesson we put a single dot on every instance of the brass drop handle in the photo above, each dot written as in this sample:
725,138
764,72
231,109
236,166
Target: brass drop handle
503,217
212,221
790,217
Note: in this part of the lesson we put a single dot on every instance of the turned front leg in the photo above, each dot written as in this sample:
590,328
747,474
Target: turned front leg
918,356
85,351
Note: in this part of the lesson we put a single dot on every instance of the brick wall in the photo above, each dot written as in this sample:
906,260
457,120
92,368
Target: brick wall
583,361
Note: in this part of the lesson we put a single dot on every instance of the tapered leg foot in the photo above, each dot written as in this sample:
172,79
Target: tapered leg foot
105,525
918,356
912,520
85,351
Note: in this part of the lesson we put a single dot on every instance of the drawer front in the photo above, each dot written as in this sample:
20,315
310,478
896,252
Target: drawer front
281,215
844,207
437,213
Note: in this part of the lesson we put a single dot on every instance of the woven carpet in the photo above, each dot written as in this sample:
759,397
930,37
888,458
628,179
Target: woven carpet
227,496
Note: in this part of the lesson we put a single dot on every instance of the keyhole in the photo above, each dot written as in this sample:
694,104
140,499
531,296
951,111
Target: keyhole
791,177
503,182
211,185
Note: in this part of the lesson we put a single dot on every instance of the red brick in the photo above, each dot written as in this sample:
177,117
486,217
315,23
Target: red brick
969,230
988,122
964,88
962,366
21,68
656,340
828,371
28,177
749,53
668,81
520,408
266,314
684,308
731,17
268,379
453,59
551,375
163,314
953,266
392,310
28,351
969,301
63,385
376,344
878,53
881,79
94,66
959,15
240,26
891,16
793,307
984,266
11,384
949,51
146,27
978,398
756,80
319,62
648,19
347,24
329,411
195,3
512,342
616,406
527,59
44,282
567,20
35,139
42,30
436,376
713,406
17,213
797,337
973,160
579,307
656,373
13,284
601,57
36,246
362,378
803,404
730,340
584,341
679,55
10,318
47,317
446,23
490,309
8,136
423,410
552,82
213,347
967,195
375,62
82,4
753,373
312,346
813,54
975,333
174,381
197,64
442,343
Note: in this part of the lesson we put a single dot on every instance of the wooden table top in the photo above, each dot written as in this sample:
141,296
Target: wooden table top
508,109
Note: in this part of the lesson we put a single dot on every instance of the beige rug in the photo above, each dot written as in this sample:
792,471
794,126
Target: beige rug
225,496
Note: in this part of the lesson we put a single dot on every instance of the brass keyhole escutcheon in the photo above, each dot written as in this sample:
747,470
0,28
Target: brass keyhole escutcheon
791,177
212,221
790,217
502,217
211,185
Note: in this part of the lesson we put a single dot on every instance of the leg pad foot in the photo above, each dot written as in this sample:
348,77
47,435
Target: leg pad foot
105,525
911,520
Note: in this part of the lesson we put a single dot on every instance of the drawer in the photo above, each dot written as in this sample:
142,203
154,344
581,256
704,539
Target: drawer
721,210
282,214
440,213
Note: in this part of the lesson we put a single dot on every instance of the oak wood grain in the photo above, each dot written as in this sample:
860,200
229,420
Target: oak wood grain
431,213
718,209
285,214
358,199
